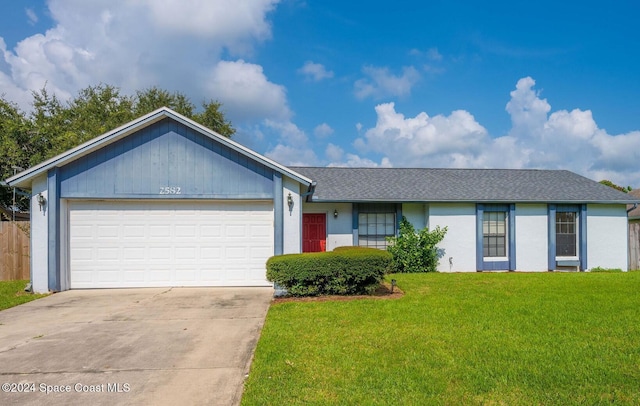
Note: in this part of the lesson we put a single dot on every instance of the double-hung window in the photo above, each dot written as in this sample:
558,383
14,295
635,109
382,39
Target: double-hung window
494,234
566,234
495,237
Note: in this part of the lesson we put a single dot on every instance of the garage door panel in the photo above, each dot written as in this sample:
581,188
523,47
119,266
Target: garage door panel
159,230
186,231
136,244
107,231
262,231
134,231
160,253
213,231
210,252
107,254
83,232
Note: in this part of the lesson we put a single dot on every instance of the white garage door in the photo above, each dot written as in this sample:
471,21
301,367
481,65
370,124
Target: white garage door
115,244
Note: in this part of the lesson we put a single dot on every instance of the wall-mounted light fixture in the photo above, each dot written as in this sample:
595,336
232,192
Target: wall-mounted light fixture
290,201
42,201
335,214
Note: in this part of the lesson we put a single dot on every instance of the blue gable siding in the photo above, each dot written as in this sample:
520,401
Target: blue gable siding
166,154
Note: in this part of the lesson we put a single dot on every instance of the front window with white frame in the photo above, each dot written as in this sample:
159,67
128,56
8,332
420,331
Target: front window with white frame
567,234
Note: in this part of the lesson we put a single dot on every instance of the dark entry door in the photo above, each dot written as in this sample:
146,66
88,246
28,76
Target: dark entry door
314,232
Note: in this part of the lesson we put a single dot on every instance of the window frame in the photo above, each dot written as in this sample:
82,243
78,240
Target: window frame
380,227
581,259
504,235
576,234
508,262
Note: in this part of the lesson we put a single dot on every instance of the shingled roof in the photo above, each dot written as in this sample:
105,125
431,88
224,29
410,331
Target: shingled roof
457,185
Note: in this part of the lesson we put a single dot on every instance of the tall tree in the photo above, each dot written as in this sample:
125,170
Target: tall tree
153,98
98,109
15,146
211,115
94,111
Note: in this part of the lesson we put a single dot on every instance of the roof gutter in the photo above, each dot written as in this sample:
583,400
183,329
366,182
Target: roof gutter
633,208
310,190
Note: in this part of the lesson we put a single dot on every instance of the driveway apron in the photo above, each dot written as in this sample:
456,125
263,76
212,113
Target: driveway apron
173,346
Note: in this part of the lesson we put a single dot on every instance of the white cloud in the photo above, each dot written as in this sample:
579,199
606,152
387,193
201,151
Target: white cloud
333,152
315,71
288,155
323,130
231,21
292,144
288,132
246,93
565,139
355,161
382,83
539,138
528,112
31,16
173,44
423,140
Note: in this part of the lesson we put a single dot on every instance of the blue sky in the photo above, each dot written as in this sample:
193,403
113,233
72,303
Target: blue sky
498,84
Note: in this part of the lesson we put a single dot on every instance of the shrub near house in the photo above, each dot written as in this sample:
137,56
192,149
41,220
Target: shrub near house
348,271
415,251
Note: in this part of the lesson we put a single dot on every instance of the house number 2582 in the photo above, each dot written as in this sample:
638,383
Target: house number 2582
170,190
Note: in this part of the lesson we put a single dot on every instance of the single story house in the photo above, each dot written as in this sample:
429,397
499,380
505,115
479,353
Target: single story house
164,201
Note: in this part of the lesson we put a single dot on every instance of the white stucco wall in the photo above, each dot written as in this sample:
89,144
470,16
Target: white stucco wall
460,241
532,237
39,237
292,221
607,236
339,230
416,213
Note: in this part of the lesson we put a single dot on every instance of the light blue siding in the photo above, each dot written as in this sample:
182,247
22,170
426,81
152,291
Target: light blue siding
166,155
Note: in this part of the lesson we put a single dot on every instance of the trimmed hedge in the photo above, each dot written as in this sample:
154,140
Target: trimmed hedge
349,271
355,248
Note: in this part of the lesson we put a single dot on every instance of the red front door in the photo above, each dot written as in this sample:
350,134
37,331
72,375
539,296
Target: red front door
314,232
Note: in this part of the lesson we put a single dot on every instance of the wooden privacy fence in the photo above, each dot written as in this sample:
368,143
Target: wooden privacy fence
14,250
634,245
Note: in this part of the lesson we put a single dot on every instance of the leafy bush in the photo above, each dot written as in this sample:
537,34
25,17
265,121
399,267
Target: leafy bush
415,251
342,272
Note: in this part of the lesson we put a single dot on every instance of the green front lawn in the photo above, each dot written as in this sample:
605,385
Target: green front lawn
12,294
490,338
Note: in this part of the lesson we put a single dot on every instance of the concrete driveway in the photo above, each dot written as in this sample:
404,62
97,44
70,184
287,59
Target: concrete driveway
172,346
